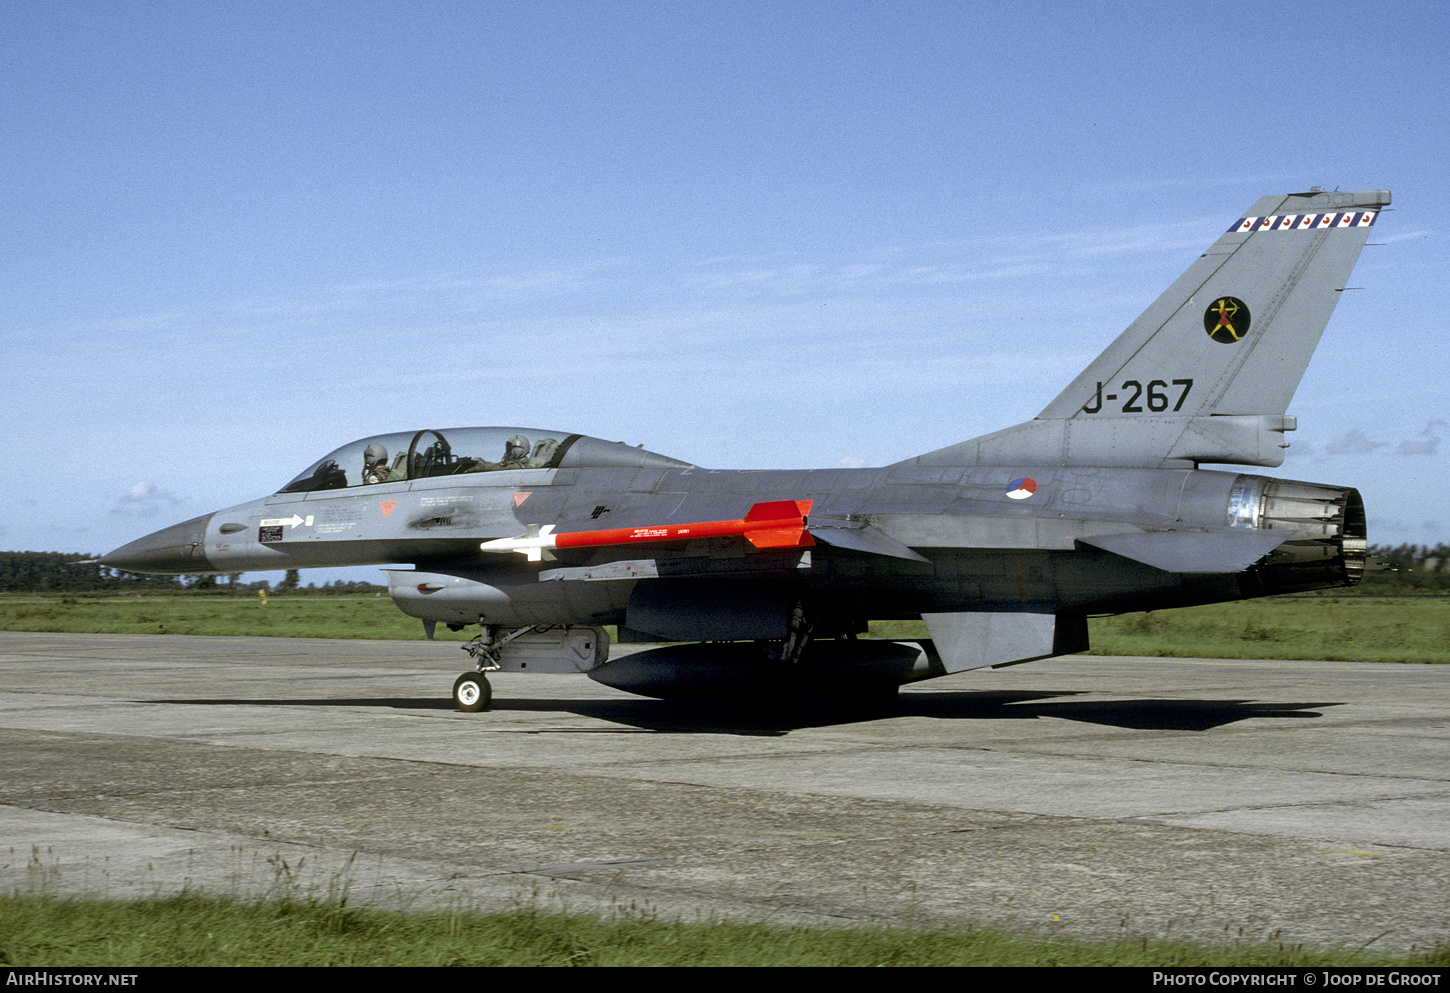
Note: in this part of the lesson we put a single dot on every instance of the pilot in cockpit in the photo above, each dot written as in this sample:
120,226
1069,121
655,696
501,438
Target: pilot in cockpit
516,453
375,466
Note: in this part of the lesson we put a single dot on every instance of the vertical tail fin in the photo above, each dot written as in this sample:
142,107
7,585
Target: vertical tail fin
1207,372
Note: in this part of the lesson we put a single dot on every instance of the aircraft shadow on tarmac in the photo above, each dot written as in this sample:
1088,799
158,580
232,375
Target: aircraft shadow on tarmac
634,715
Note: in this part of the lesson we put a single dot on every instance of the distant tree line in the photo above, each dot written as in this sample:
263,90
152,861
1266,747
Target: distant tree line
1416,567
67,572
1420,558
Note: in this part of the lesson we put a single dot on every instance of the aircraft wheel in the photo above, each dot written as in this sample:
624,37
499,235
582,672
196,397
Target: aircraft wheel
471,692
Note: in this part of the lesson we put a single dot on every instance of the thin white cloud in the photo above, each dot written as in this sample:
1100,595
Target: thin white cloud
943,263
1407,236
1356,442
144,499
1426,443
1353,442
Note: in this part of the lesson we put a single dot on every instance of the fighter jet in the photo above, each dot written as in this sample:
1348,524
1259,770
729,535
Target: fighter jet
762,582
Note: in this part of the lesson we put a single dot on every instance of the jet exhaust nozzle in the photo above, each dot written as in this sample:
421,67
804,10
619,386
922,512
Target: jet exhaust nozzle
1330,542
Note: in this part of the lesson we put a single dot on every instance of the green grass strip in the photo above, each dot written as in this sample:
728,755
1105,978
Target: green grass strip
191,929
1347,628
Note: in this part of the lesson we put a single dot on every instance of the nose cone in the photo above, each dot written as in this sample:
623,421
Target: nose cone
180,548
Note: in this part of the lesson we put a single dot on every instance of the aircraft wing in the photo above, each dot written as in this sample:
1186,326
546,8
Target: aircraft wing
858,536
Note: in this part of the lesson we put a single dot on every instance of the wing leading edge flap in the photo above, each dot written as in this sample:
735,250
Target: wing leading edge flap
1226,551
975,639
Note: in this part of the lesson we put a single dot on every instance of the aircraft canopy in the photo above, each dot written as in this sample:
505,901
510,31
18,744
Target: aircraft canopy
408,455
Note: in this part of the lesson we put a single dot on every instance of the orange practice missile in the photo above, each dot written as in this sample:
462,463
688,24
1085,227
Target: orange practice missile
775,524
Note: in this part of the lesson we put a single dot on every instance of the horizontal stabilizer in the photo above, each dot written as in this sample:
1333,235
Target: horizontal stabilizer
1226,551
859,536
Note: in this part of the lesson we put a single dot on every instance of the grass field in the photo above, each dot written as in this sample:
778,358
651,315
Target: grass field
192,929
1329,628
1347,629
296,615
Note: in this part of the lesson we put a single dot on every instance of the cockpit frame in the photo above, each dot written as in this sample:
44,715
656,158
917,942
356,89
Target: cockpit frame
434,452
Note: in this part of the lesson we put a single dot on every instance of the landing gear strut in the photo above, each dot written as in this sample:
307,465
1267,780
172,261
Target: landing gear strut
471,692
798,635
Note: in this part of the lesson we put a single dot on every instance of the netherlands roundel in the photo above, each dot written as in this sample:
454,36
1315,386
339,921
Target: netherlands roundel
1226,320
1021,489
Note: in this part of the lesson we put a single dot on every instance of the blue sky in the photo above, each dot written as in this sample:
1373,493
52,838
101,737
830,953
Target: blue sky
742,234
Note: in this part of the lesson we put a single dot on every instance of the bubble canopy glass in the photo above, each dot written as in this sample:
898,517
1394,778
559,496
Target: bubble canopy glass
409,455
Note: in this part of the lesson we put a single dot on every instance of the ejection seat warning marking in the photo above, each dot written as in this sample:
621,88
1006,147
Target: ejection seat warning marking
387,506
271,529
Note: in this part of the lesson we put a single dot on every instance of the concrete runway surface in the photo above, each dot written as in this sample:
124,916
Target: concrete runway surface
1214,800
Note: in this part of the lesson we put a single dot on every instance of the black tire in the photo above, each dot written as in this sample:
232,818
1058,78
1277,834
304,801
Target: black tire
471,692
